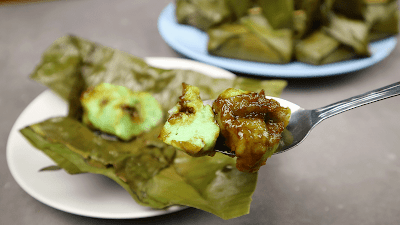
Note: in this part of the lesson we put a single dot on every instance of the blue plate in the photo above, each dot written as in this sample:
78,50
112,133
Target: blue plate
192,43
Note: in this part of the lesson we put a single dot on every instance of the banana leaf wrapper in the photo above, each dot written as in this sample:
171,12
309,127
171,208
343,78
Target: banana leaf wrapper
351,32
278,13
320,48
382,18
351,9
155,174
375,19
353,23
239,8
202,14
252,39
306,17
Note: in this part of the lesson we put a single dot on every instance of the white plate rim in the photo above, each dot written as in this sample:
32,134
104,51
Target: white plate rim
169,28
59,107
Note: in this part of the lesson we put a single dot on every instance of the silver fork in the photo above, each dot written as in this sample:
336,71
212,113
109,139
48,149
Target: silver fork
302,121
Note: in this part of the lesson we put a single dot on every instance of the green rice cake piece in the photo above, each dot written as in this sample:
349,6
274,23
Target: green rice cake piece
191,126
119,111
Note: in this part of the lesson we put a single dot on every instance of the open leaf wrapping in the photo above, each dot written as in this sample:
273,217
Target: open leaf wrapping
352,23
154,174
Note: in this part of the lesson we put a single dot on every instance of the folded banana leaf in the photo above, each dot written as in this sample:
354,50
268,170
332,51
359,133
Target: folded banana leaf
351,32
202,14
299,24
382,18
352,9
306,18
155,174
353,23
278,13
252,39
319,48
239,8
280,40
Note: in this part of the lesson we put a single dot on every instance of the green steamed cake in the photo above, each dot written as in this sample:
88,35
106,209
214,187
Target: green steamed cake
119,111
191,126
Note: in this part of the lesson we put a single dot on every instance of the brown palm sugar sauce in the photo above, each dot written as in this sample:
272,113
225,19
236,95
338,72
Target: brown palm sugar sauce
183,106
251,125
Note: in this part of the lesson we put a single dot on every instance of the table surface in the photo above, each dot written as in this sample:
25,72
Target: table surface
346,172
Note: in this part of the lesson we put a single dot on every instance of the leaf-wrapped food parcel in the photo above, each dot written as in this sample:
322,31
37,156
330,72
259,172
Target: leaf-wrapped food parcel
353,23
352,9
319,48
351,32
71,64
239,8
278,13
205,14
306,17
252,39
382,18
202,14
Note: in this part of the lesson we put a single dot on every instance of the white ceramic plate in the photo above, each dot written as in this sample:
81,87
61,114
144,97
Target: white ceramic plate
192,43
84,194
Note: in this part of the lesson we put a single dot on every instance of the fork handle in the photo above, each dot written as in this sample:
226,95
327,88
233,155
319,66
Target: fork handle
357,101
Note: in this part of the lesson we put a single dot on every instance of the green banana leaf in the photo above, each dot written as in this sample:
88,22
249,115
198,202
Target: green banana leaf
319,48
239,8
154,174
278,13
252,39
382,18
351,32
306,18
300,27
202,14
353,23
280,40
352,9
